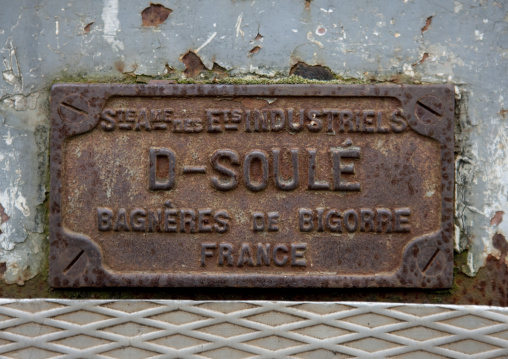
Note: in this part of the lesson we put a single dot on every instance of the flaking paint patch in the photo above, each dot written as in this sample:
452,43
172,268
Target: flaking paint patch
111,24
8,227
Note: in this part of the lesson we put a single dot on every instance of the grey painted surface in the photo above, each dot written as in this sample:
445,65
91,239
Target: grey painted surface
43,41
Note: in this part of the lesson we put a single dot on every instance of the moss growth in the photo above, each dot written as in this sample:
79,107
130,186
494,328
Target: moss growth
213,77
245,80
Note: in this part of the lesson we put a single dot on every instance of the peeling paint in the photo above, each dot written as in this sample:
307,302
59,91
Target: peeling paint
88,28
155,14
428,22
111,24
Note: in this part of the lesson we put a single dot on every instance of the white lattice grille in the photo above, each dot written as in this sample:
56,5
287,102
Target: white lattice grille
189,329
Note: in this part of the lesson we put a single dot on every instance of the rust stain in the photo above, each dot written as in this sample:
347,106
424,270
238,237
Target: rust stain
428,22
498,218
307,4
3,268
88,28
119,65
503,112
155,15
3,216
193,64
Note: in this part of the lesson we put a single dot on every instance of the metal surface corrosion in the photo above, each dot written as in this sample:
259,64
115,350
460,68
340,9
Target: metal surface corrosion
251,186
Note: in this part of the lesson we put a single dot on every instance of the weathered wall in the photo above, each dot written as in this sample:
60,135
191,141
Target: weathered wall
464,43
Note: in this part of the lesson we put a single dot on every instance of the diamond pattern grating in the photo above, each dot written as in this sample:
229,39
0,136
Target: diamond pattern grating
190,329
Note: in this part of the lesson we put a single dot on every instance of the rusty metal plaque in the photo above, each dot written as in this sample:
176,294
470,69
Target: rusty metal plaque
251,186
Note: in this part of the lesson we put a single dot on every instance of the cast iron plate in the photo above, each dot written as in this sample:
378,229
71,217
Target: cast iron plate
251,186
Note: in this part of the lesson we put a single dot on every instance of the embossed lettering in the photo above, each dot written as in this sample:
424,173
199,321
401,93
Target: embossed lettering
138,219
399,121
339,168
222,221
297,252
213,121
121,221
402,220
333,222
104,219
278,259
169,177
367,220
295,126
205,252
107,120
258,221
305,220
263,255
351,220
278,120
187,217
204,220
231,177
384,220
245,256
170,220
281,183
345,118
226,252
315,184
273,221
247,171
315,124
154,220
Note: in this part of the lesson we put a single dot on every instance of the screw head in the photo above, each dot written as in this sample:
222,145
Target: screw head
74,109
429,109
431,261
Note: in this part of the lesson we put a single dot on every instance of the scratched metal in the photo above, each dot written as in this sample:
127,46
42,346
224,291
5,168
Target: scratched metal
189,185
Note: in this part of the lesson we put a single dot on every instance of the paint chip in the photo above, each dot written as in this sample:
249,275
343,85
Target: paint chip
193,64
428,22
88,28
316,72
258,37
254,50
155,15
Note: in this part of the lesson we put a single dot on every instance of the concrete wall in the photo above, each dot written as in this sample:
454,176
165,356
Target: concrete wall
464,43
